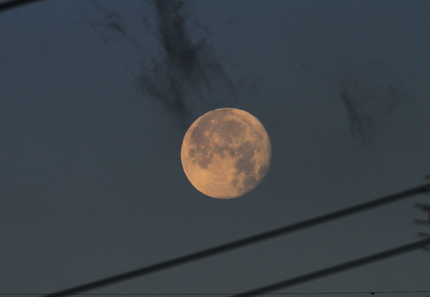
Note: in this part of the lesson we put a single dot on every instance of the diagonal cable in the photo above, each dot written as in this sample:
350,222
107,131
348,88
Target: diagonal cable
242,242
15,4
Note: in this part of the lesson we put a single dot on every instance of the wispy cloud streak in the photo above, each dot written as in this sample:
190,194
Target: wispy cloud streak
360,122
186,68
177,69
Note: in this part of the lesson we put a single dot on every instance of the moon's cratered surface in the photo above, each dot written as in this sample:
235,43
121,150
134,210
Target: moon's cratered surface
226,153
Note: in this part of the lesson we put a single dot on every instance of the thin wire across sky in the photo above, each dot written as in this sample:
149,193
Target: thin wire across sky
246,241
336,269
7,5
332,293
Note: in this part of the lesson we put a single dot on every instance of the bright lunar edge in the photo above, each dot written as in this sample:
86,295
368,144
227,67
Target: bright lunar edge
226,153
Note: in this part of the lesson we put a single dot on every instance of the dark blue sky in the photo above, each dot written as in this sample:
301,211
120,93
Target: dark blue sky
96,96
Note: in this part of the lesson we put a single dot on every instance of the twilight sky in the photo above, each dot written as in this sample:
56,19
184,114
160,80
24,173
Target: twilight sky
96,96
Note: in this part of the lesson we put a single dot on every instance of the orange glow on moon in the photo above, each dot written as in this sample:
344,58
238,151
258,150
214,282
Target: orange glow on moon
226,153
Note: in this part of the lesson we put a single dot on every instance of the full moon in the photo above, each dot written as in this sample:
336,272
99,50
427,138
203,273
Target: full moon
226,153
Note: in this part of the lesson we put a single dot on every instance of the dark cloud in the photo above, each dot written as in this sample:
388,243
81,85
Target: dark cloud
114,22
360,122
186,68
370,93
184,74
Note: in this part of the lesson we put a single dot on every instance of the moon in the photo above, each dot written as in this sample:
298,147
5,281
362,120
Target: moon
226,153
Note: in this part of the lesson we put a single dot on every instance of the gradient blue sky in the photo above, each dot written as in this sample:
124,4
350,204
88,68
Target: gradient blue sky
91,183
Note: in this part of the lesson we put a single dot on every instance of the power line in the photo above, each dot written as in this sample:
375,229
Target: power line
336,269
226,294
242,242
15,4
